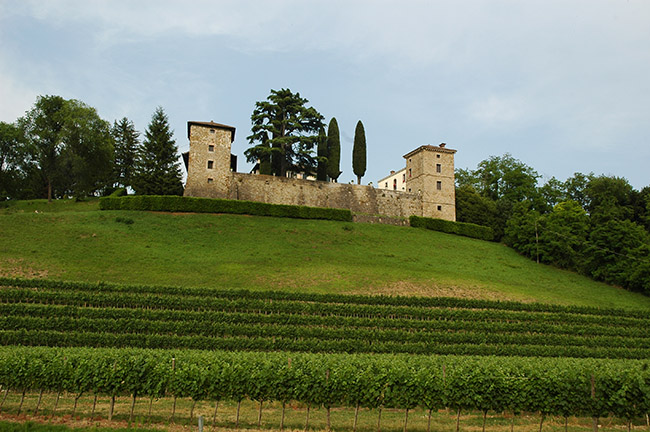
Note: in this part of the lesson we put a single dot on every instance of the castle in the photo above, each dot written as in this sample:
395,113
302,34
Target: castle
425,187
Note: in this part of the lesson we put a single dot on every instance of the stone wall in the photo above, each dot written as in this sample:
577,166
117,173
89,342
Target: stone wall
360,199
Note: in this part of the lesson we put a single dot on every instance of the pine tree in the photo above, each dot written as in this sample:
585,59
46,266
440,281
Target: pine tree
333,150
359,152
321,172
158,170
126,141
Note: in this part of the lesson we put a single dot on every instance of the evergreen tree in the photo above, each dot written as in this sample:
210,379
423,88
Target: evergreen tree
126,141
359,152
158,170
333,150
292,127
265,157
321,172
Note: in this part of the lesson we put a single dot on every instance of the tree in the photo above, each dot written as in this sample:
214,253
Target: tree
292,128
563,234
333,150
158,170
506,177
610,197
321,171
13,159
70,144
359,152
126,141
471,207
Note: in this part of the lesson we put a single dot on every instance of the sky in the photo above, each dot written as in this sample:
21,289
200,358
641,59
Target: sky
562,85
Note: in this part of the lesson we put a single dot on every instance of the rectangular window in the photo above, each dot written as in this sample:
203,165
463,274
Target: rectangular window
210,180
439,208
386,185
210,164
438,156
210,148
439,185
403,177
438,168
394,184
409,172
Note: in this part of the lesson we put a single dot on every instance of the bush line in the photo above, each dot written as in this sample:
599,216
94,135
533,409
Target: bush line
451,227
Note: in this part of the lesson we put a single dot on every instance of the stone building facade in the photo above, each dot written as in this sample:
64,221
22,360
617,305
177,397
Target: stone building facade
212,174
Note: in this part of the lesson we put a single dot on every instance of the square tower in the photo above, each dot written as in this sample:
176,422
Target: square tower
208,167
430,172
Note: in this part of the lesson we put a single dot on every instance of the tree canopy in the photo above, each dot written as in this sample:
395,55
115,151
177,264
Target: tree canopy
158,170
333,150
284,130
359,152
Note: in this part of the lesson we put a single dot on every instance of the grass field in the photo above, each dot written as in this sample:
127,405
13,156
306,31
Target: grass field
76,241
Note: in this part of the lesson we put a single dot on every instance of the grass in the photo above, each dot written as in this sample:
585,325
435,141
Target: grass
392,420
75,241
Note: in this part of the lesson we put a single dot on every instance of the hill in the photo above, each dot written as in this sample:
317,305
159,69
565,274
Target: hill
75,241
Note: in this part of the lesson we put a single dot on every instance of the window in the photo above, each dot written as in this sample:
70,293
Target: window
409,172
210,180
210,164
210,148
212,130
438,156
438,168
403,177
439,208
386,185
439,185
394,184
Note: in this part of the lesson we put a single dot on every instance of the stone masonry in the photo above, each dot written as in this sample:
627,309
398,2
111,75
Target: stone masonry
210,175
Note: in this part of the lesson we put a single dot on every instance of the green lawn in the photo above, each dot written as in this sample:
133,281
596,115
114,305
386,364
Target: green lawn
75,241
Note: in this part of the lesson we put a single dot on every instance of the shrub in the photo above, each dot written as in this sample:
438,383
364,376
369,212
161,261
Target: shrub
173,203
459,228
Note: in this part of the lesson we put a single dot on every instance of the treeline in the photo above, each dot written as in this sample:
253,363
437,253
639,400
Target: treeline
598,226
63,148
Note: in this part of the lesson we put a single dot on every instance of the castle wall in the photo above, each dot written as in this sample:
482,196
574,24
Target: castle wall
360,199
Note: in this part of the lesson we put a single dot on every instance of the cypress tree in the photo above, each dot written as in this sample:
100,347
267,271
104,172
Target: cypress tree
359,152
321,172
333,150
158,170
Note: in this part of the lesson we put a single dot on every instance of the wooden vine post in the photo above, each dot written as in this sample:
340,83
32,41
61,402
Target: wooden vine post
112,408
327,379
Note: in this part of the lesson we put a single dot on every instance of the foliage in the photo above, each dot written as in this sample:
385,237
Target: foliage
15,161
471,207
397,381
157,169
70,144
451,227
333,150
359,152
285,131
323,155
209,205
127,142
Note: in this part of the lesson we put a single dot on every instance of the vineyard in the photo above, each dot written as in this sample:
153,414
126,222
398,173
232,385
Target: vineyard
322,350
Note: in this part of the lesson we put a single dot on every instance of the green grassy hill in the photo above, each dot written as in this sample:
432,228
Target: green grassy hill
72,241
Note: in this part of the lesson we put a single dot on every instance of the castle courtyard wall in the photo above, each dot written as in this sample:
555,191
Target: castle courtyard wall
358,198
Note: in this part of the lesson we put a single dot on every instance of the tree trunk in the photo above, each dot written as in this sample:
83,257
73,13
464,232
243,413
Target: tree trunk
92,414
4,399
594,424
132,408
512,423
237,418
356,416
173,408
74,407
429,420
406,419
38,404
22,399
541,422
150,406
484,418
379,421
214,416
282,418
307,420
358,180
259,415
49,190
566,424
329,425
56,402
192,411
111,409
458,420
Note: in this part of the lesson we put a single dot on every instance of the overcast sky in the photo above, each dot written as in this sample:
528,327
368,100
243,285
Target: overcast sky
564,86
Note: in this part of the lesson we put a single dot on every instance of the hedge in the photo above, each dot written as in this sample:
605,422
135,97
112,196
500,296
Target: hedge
451,227
174,203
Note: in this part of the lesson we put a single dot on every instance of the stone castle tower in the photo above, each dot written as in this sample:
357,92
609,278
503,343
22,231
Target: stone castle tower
210,162
430,172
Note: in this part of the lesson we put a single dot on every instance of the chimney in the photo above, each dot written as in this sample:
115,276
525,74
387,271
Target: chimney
442,145
392,172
